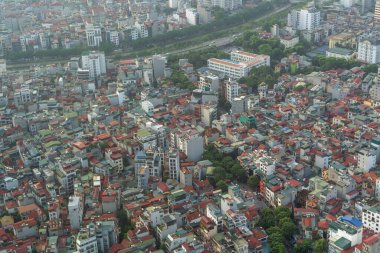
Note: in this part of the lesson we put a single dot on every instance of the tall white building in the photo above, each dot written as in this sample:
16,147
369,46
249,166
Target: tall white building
266,165
369,49
192,16
232,89
209,82
113,37
22,95
3,66
94,35
227,4
86,242
375,144
95,63
366,159
173,4
75,209
377,11
371,218
346,3
209,112
173,162
159,64
191,143
305,19
147,106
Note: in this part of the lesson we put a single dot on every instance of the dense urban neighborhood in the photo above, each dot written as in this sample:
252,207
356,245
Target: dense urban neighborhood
182,126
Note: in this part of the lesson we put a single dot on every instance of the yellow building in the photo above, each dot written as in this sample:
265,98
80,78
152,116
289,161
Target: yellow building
6,221
343,39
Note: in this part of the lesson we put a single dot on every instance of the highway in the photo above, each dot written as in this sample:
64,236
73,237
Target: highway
224,41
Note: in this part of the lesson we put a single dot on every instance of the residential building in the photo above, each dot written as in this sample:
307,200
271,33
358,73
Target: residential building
95,63
340,53
227,4
86,241
371,218
25,229
75,209
344,233
305,19
369,49
366,159
209,82
174,165
371,244
94,35
377,12
159,64
232,89
192,16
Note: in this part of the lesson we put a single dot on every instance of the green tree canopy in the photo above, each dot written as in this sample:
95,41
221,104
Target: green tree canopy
253,182
222,185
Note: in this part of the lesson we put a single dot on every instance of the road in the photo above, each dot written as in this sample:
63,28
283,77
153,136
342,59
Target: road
224,40
216,42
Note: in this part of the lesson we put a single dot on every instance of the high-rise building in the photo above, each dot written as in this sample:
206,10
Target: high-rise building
192,16
346,3
305,19
95,62
190,142
232,89
209,113
209,82
275,30
86,242
365,6
159,64
376,15
369,49
227,4
75,212
173,162
94,35
371,218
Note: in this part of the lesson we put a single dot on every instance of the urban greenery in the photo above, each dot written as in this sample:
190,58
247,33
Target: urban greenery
279,226
326,63
225,167
193,31
124,221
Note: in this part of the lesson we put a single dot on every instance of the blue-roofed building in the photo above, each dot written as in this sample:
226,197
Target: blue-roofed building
344,233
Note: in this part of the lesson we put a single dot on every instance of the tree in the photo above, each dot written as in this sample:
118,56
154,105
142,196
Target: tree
370,68
253,182
283,220
223,104
239,173
282,210
276,243
320,246
288,229
273,230
222,185
304,247
124,221
267,218
265,49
